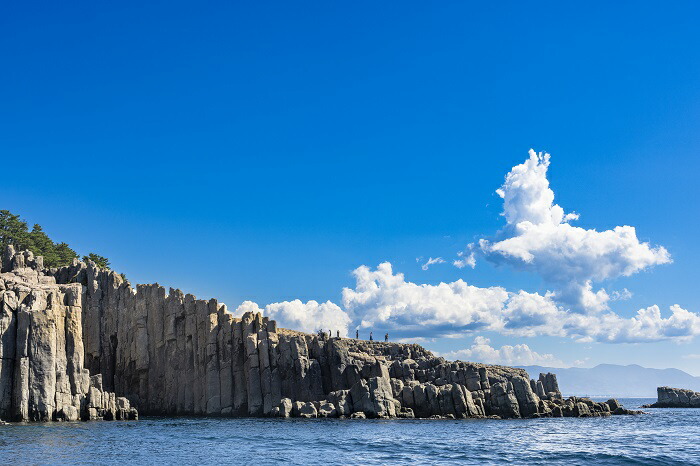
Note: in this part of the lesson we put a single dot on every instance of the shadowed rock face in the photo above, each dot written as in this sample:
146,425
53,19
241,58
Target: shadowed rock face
173,354
668,397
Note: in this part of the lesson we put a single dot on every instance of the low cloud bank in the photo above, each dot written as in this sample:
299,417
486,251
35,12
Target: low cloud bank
507,355
384,300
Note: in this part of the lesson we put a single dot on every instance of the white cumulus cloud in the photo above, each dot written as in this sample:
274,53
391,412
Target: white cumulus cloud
385,300
539,238
517,355
306,317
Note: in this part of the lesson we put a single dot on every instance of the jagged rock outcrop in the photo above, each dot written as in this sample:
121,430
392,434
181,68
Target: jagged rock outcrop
80,342
668,397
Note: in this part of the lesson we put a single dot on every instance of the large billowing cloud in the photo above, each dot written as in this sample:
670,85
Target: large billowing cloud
306,317
517,355
385,301
539,238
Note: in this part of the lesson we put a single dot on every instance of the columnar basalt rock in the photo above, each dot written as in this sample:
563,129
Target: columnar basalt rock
549,384
80,342
43,376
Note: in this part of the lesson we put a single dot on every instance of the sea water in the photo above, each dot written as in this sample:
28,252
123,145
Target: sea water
663,436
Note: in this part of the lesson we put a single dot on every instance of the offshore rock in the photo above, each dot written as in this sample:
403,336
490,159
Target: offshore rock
668,397
79,342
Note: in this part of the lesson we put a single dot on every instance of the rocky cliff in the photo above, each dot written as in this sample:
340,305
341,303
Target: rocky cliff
668,397
80,342
42,372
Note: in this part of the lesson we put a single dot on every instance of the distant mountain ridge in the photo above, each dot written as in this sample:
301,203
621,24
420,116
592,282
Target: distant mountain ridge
617,380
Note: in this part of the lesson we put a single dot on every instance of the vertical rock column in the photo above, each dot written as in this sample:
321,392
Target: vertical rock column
155,309
225,353
251,326
265,366
275,374
8,337
190,375
42,357
20,387
550,384
212,405
174,353
78,377
240,384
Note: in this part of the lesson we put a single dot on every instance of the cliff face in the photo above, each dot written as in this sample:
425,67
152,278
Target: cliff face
173,354
42,371
668,397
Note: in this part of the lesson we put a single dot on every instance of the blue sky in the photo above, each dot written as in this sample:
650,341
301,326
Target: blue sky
264,151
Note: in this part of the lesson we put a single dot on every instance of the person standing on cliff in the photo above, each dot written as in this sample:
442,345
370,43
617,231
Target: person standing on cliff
386,337
337,333
357,334
370,337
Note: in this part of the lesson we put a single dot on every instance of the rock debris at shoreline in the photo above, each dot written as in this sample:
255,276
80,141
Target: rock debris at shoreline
78,342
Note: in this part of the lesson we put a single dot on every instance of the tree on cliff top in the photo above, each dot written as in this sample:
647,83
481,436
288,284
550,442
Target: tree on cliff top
14,231
64,253
99,261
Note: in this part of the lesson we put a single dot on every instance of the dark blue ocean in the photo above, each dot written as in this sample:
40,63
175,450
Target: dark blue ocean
668,436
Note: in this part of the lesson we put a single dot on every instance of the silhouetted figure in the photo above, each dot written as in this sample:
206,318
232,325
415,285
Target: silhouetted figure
337,333
357,334
330,334
370,337
386,337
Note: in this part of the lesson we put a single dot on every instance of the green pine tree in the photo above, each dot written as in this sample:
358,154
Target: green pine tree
13,230
65,254
100,261
41,245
